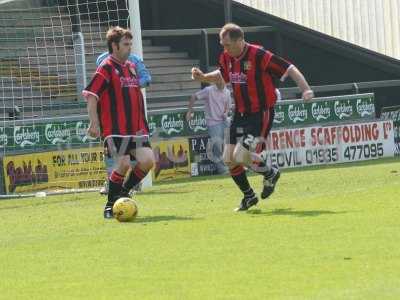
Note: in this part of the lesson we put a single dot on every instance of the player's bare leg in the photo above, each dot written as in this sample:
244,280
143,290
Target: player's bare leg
270,174
145,162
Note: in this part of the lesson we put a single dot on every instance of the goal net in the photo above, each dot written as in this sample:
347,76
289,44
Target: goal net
48,50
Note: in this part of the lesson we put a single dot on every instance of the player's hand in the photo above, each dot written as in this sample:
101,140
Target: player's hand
307,95
189,115
197,74
93,130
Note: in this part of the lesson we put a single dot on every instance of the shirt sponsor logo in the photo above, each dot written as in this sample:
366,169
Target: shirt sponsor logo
237,77
343,110
320,111
297,113
128,82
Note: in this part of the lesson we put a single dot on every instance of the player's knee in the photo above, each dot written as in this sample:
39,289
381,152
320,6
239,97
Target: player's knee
126,162
227,155
230,164
147,162
241,154
123,164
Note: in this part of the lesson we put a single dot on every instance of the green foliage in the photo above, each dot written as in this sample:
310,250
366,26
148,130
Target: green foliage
326,233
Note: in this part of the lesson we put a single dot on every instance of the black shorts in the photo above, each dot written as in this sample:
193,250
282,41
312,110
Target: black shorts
124,145
251,128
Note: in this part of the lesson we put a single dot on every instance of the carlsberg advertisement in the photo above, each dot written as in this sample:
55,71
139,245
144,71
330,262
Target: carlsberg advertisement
44,135
324,110
288,114
174,124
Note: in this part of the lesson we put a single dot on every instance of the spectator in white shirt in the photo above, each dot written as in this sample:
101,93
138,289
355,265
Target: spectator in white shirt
217,102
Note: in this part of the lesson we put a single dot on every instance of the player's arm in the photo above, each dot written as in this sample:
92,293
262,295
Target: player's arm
306,92
282,69
211,77
92,94
94,125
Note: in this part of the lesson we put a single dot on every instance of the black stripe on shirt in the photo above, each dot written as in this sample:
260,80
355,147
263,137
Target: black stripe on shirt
258,78
113,110
126,101
244,88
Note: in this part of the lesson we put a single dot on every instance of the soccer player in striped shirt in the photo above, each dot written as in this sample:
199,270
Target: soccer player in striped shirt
116,112
252,72
144,78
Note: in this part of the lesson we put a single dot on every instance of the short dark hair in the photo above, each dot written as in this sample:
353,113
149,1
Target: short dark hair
115,34
234,31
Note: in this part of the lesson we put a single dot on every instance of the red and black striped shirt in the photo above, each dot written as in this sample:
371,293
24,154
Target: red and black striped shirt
252,76
120,103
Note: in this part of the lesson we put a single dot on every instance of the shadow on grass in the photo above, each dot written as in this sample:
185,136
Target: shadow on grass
154,219
295,213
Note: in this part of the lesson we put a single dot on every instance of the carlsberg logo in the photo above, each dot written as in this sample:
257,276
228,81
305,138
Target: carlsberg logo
198,123
343,110
26,136
169,125
57,133
365,108
279,117
297,113
320,111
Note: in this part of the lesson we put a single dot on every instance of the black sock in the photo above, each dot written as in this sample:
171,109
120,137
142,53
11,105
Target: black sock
135,177
114,188
238,174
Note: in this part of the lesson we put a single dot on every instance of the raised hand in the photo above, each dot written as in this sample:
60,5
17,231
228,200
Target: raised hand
197,74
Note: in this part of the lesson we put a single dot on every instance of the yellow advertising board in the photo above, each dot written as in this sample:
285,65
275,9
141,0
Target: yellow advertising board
172,159
77,168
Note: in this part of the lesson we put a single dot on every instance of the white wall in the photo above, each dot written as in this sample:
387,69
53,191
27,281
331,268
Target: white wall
373,24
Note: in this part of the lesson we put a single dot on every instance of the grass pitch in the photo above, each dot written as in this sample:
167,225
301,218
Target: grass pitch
326,233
